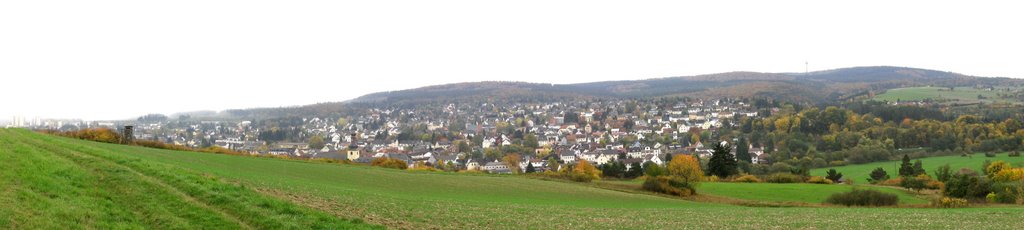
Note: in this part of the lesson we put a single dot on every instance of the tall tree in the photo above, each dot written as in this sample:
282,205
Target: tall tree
512,160
686,168
722,163
743,151
906,169
530,169
918,168
316,142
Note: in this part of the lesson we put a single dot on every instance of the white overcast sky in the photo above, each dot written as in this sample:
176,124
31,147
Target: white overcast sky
121,59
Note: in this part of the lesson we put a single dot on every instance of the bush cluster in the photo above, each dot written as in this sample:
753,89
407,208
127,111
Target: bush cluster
818,180
747,178
950,202
858,197
669,185
784,178
389,163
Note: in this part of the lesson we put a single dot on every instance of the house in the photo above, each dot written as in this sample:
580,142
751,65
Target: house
629,162
567,156
600,157
762,159
654,159
473,164
497,167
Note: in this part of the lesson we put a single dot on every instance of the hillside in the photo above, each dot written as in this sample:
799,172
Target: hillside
47,183
809,87
860,172
815,87
174,189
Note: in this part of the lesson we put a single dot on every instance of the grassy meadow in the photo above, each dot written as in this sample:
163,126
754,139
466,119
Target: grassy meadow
805,193
860,172
83,184
958,95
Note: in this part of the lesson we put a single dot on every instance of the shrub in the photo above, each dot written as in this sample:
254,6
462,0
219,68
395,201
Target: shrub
389,163
915,183
420,166
669,185
965,184
990,154
892,182
818,180
712,178
1007,193
950,202
934,184
784,178
837,163
1008,175
993,168
991,197
1015,154
747,179
858,197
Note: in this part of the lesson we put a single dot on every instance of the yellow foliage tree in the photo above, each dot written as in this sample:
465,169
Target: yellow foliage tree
686,168
584,171
512,160
1009,175
995,168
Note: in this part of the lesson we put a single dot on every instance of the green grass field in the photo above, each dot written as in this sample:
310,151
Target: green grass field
55,182
860,172
958,95
806,193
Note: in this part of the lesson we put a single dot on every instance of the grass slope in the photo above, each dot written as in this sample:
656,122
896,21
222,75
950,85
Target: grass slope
860,172
806,193
959,94
50,185
417,200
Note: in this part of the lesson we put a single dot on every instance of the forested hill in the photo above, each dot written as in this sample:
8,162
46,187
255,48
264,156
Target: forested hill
812,88
797,87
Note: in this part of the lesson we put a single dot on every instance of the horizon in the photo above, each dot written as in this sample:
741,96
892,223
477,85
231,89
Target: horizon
74,57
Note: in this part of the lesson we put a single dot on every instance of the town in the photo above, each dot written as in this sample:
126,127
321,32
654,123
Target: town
544,136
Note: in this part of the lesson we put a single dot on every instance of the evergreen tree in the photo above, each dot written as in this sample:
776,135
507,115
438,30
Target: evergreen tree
743,151
635,170
833,175
918,168
906,169
668,158
722,163
878,175
530,169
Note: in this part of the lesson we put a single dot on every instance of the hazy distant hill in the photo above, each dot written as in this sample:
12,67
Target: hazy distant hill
813,87
803,87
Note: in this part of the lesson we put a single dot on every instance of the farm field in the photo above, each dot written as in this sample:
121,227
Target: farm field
46,185
958,95
783,193
806,193
860,172
322,195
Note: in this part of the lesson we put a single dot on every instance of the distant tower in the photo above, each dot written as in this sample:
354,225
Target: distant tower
128,135
353,149
806,68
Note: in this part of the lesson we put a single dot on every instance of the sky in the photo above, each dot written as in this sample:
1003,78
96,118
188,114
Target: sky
99,59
